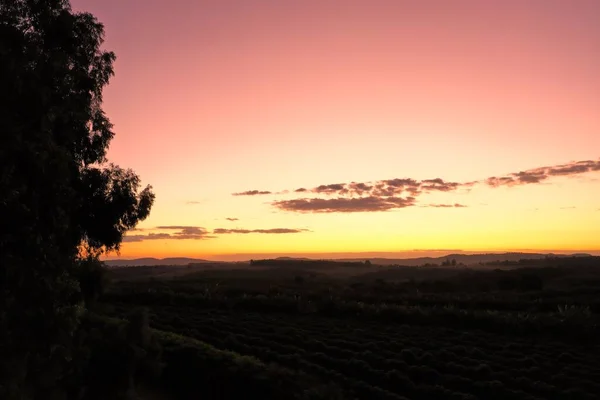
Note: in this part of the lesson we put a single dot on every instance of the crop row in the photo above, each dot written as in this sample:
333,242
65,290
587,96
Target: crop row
408,363
570,323
361,335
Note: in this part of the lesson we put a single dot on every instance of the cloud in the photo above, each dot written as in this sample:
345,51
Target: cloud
382,188
455,205
341,204
360,188
382,195
232,219
393,187
183,228
330,189
439,184
388,187
191,203
537,175
186,232
388,194
197,232
568,208
150,236
251,193
579,167
224,231
183,232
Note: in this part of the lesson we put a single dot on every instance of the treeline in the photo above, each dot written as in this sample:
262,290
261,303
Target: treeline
307,263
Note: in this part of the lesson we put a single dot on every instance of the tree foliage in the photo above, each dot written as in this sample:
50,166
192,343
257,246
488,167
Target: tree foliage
58,194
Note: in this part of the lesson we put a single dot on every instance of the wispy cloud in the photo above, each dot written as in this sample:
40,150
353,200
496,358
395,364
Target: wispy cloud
187,232
330,189
225,231
341,204
197,233
389,194
568,208
439,185
383,195
455,205
232,219
150,236
252,193
537,175
382,188
183,233
193,203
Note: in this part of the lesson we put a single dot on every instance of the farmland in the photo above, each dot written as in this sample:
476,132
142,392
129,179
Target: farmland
308,329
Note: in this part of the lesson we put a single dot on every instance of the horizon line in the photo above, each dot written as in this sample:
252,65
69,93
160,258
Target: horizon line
407,254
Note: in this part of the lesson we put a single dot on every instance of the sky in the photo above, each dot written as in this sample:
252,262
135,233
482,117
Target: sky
307,127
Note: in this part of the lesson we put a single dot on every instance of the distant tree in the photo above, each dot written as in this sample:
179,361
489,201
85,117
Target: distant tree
453,263
60,201
368,262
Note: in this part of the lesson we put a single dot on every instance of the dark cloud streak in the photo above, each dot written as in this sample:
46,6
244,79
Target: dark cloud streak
455,205
150,236
398,193
252,193
184,232
198,233
347,205
538,175
225,231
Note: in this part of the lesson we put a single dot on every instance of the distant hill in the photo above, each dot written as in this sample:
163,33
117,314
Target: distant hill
137,262
467,259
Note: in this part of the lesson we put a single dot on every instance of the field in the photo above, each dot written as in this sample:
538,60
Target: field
302,329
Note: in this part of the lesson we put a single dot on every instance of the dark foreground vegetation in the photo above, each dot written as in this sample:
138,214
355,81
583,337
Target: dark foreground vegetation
314,330
62,205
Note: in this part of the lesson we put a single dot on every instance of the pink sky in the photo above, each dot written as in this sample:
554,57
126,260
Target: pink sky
215,97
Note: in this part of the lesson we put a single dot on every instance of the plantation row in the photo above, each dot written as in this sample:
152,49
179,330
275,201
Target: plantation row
384,362
572,323
532,302
190,368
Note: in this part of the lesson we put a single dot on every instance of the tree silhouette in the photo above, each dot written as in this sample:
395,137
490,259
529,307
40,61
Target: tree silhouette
60,201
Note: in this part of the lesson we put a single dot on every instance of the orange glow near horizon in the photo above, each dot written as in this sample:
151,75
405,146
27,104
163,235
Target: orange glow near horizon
212,98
